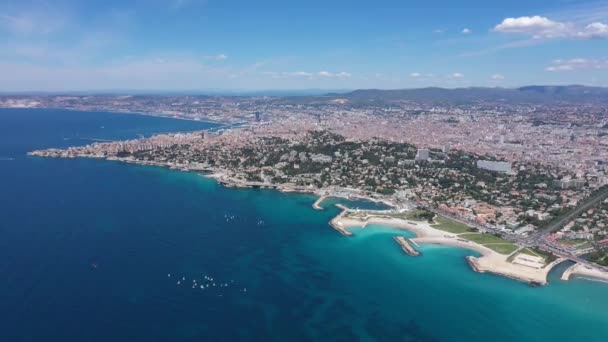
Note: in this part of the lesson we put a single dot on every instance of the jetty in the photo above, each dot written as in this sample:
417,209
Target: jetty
317,204
583,271
568,272
337,225
405,245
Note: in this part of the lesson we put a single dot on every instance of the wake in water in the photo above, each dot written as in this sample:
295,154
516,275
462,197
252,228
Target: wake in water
6,158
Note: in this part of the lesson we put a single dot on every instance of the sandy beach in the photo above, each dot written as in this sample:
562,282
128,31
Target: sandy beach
421,229
489,261
493,262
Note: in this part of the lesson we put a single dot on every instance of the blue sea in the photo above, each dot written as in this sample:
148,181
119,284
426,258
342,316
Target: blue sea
93,250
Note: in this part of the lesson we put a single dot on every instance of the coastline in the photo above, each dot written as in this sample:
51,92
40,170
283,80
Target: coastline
580,271
496,265
489,261
421,229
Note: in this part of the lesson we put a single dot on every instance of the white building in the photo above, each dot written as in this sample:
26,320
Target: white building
496,166
422,154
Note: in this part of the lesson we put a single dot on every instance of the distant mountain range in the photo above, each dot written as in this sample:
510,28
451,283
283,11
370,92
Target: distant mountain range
535,94
528,94
202,92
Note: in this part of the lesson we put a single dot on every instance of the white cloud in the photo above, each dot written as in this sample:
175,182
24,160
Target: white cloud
415,74
299,74
309,75
467,31
574,64
594,31
333,75
457,75
220,57
498,77
536,26
544,28
343,74
438,31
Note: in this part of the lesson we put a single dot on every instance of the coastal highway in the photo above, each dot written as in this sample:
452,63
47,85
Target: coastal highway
539,238
555,226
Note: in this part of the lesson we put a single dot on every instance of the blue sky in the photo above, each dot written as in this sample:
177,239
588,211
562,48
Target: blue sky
269,44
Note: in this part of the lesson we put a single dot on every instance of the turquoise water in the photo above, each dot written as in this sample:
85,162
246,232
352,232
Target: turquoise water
86,247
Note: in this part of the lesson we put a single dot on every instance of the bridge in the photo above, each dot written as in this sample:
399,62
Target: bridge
548,247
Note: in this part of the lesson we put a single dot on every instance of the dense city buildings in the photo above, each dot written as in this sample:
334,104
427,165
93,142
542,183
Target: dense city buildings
514,170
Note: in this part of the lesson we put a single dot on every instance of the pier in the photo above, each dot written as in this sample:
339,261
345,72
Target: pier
405,245
568,272
337,225
586,272
317,204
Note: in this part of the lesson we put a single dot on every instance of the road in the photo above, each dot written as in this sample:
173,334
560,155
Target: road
538,239
586,205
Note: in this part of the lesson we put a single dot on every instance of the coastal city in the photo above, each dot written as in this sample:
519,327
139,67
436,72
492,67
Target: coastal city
319,170
525,183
